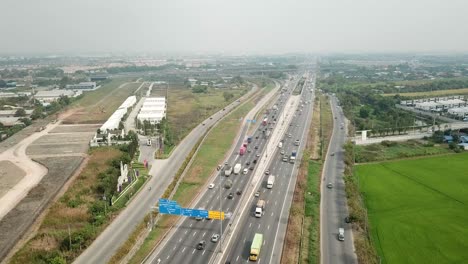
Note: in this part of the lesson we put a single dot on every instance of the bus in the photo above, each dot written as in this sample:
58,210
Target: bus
256,246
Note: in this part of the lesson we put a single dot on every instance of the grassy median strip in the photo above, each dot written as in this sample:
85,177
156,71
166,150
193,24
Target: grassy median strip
216,144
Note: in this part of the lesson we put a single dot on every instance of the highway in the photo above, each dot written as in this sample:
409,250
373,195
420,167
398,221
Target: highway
181,244
334,207
278,200
163,171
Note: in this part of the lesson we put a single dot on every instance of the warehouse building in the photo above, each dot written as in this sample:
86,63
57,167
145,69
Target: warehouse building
82,86
114,120
47,97
153,110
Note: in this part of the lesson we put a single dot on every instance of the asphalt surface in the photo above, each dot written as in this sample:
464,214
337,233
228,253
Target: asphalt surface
162,171
333,207
278,200
180,246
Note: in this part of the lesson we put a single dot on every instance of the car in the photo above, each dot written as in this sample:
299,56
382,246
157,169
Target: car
285,158
211,186
226,163
215,238
247,163
254,162
291,124
282,152
347,219
257,155
267,172
201,245
219,167
224,109
335,117
211,117
297,125
230,196
251,168
249,150
330,185
289,135
257,194
239,192
332,154
256,147
203,124
245,171
256,137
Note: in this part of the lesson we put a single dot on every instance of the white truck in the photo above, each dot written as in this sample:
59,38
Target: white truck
237,168
228,171
260,208
270,181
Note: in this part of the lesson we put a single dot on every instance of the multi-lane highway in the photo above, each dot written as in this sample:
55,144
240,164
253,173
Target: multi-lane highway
180,246
278,199
333,207
101,250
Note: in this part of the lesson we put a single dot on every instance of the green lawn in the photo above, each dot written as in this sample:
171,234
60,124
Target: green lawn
418,209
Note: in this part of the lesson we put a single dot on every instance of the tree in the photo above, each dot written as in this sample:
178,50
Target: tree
364,112
227,96
20,112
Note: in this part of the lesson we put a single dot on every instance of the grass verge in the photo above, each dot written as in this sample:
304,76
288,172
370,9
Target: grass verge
431,93
417,206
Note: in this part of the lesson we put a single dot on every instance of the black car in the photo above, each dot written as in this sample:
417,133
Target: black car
256,147
201,245
255,161
251,168
239,192
230,196
247,163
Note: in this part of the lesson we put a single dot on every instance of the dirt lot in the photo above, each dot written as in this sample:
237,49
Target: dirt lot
10,175
18,220
61,151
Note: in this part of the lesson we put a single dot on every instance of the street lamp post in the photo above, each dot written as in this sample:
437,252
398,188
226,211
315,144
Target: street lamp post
221,212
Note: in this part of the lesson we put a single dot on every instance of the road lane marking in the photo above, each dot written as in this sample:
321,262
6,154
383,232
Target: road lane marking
203,252
174,247
268,227
186,231
183,249
167,257
237,258
193,251
194,233
191,224
204,234
180,239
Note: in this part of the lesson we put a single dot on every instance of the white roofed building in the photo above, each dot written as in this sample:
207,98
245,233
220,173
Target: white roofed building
114,120
153,110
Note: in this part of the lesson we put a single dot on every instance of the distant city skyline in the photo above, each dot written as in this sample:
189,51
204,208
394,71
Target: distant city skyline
232,27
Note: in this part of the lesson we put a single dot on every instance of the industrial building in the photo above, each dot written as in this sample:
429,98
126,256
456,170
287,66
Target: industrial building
460,112
441,105
153,110
46,97
82,86
113,122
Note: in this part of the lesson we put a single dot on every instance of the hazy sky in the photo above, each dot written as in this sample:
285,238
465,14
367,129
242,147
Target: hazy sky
235,26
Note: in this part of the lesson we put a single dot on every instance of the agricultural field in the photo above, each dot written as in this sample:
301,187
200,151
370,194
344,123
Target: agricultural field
387,150
417,208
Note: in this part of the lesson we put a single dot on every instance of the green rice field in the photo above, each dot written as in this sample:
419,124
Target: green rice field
418,209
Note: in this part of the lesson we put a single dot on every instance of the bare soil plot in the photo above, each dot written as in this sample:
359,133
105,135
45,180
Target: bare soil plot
75,128
14,225
10,175
54,144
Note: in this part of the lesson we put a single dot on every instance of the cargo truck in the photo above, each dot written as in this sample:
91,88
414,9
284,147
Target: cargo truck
260,208
292,159
237,168
270,181
242,150
256,246
228,171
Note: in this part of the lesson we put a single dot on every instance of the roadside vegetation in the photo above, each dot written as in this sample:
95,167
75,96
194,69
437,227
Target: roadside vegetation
416,95
85,209
210,154
417,206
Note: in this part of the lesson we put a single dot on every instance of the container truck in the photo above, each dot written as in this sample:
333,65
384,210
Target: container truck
228,171
260,208
270,181
256,246
292,159
237,168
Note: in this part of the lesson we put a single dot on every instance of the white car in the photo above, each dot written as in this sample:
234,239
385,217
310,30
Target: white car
267,172
215,238
245,171
211,186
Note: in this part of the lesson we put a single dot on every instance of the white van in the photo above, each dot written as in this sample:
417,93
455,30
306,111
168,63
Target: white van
341,234
280,145
148,142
